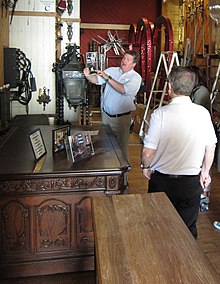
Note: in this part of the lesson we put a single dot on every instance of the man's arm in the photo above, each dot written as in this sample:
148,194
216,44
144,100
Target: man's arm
94,79
115,84
147,156
91,78
205,178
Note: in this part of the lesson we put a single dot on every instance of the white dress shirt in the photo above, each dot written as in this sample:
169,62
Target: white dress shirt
179,132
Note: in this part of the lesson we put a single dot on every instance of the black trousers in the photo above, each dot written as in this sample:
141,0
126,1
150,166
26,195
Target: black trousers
184,193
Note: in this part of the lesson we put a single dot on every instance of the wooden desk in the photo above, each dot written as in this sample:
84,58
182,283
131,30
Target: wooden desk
45,211
140,239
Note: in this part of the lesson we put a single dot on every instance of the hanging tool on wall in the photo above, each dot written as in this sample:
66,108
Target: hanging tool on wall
4,4
7,4
13,10
69,31
69,7
61,7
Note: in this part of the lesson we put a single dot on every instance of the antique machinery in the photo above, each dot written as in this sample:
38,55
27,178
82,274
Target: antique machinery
144,37
70,83
17,73
140,38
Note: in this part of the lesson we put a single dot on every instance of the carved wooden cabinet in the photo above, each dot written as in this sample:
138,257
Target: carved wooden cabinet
45,210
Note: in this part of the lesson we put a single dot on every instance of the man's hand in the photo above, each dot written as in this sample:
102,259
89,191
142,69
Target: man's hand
205,179
86,72
146,158
102,74
147,173
93,78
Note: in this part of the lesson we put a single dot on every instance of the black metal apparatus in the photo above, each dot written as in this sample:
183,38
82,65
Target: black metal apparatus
4,108
17,73
70,83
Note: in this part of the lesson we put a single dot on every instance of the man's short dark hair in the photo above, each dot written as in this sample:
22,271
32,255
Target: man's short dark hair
182,80
135,55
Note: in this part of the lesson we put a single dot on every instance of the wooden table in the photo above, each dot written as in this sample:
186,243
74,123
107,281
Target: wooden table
45,209
140,239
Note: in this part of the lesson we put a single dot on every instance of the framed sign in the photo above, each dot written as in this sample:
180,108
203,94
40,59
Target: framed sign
37,144
58,138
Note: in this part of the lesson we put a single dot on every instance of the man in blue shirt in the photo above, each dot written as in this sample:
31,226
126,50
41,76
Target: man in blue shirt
117,102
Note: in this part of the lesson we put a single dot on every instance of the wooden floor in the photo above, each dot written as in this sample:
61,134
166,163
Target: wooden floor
208,239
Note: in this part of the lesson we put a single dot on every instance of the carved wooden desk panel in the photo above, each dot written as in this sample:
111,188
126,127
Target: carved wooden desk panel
45,210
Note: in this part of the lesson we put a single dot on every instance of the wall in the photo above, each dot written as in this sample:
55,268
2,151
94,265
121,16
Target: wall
33,31
98,17
118,12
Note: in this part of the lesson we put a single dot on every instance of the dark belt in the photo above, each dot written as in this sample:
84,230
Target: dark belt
117,115
174,176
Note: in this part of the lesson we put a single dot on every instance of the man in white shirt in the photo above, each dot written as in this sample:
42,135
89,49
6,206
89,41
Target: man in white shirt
179,148
122,85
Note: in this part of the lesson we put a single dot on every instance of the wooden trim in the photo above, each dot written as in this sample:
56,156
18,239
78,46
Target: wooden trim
39,14
104,26
45,14
73,20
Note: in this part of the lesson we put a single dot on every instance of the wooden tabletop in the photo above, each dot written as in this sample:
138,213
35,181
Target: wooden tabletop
140,238
17,158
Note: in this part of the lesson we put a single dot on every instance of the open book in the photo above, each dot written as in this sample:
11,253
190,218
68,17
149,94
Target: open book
79,146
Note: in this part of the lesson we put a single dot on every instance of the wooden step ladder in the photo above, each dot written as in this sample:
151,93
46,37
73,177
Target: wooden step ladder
167,58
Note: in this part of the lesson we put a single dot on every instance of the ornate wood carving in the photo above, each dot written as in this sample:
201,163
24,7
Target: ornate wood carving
112,182
15,227
53,223
83,230
56,184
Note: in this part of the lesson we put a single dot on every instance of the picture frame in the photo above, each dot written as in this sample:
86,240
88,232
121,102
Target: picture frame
37,143
59,135
79,146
